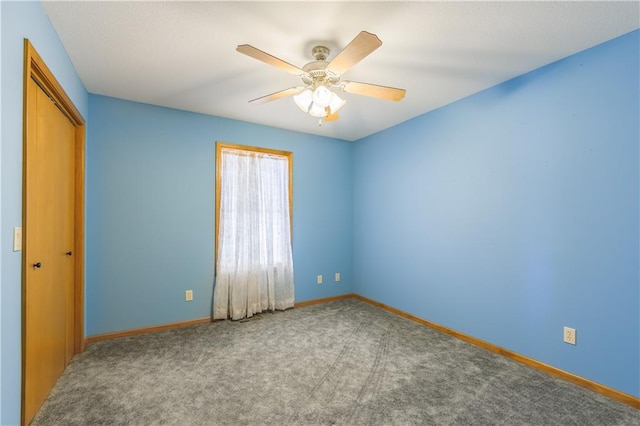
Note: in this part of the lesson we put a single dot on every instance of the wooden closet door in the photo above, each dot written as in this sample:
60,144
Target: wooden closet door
49,285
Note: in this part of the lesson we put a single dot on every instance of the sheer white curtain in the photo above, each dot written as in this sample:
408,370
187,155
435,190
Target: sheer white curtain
254,271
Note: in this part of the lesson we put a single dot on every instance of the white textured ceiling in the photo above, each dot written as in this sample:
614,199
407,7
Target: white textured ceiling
182,54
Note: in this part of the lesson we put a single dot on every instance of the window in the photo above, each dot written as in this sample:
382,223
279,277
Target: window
254,267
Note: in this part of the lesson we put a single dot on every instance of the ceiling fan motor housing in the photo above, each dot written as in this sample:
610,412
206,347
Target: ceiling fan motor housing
321,53
316,72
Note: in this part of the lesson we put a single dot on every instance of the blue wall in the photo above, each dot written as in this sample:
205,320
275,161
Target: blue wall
514,212
150,211
20,20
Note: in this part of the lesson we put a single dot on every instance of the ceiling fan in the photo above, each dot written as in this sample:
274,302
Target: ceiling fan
318,76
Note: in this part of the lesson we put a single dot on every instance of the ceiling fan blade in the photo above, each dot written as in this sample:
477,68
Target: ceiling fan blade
361,46
268,59
373,90
277,95
332,117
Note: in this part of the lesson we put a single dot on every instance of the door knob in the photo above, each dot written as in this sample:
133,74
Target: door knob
68,254
37,265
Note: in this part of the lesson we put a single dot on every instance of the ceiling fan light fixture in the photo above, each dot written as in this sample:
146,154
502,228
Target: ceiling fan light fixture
317,111
322,96
319,103
304,100
336,103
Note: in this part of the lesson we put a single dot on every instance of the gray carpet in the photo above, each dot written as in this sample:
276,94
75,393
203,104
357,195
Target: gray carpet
340,363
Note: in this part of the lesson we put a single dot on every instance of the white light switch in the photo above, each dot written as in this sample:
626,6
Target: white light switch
319,279
17,238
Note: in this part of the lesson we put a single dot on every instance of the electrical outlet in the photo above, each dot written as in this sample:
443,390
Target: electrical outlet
319,279
188,295
337,276
570,335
